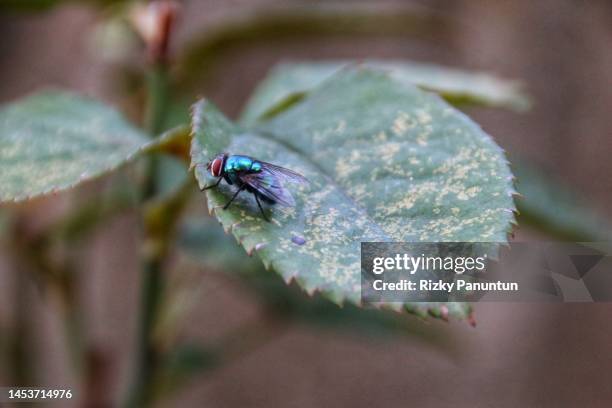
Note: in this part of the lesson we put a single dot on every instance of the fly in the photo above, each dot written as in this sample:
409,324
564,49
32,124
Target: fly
264,180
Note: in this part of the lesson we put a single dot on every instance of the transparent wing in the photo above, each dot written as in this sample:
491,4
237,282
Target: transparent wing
270,186
284,174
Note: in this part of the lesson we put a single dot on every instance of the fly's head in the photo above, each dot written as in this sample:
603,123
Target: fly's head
215,166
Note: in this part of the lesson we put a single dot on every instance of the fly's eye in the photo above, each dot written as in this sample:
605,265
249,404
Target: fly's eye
215,167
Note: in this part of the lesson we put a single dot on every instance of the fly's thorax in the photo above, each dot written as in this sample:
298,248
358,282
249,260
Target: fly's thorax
237,164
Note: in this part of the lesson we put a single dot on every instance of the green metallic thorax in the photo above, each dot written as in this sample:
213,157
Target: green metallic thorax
239,164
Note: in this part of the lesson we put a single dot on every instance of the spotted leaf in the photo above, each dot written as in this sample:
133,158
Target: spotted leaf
54,140
386,162
201,242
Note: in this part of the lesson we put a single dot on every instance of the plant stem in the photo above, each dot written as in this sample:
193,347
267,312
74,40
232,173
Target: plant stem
153,255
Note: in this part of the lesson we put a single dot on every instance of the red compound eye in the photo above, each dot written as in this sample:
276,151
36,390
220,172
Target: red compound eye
215,168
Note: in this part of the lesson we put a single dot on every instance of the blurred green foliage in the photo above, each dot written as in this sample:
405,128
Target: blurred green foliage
555,208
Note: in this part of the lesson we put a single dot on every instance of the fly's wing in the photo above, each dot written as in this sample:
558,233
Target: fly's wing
269,185
284,174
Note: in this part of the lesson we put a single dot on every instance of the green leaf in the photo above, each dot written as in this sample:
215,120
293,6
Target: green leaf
54,140
202,242
386,162
288,82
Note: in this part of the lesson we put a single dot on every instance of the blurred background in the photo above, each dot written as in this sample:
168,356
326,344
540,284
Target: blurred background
518,355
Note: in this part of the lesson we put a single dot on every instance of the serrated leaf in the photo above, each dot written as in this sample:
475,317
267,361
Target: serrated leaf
386,162
201,241
289,81
54,140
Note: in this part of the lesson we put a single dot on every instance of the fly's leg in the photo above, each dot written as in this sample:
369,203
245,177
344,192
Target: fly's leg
261,209
212,185
226,206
